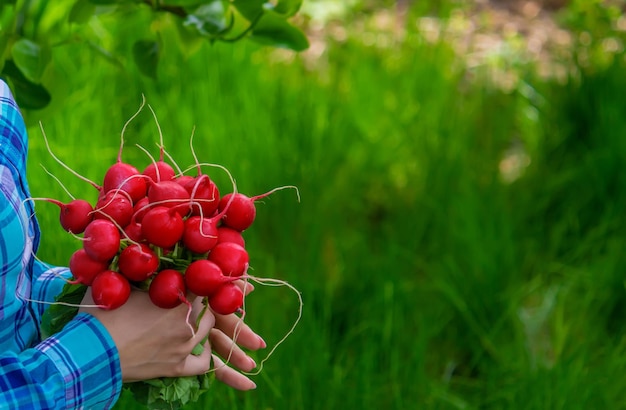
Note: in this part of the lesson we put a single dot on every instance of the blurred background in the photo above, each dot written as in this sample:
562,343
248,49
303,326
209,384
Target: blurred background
460,238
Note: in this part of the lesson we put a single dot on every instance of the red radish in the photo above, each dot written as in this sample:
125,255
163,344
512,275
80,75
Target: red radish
226,234
241,212
84,269
115,205
126,178
74,215
140,208
110,290
159,171
169,194
200,234
227,299
162,226
167,191
133,232
138,262
101,240
133,229
186,181
204,277
232,258
204,194
167,289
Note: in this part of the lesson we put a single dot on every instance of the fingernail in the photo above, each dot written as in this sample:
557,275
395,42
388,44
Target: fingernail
253,384
262,342
252,362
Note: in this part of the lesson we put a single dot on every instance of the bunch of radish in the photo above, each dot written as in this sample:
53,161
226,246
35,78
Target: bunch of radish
162,231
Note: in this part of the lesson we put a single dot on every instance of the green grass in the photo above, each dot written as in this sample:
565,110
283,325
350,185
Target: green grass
427,281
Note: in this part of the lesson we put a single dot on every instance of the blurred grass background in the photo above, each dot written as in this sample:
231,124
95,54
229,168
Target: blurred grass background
458,244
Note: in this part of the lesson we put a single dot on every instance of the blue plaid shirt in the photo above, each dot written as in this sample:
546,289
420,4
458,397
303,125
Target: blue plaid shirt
77,368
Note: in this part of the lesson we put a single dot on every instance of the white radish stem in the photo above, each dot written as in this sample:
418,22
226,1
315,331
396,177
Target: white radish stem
187,319
193,151
161,145
174,164
277,282
208,164
98,187
43,302
260,196
152,160
119,153
58,181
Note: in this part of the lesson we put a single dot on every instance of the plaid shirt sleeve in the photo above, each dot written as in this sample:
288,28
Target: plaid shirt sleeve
79,366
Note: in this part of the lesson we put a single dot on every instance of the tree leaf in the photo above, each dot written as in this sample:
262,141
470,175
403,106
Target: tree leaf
250,9
28,95
106,2
7,3
106,54
7,25
209,19
81,11
181,3
189,42
287,8
273,30
31,58
146,54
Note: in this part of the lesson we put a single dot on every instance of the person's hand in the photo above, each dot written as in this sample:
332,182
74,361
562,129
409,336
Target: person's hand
227,338
155,342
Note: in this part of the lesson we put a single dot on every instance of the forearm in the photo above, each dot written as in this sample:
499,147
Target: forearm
48,282
77,368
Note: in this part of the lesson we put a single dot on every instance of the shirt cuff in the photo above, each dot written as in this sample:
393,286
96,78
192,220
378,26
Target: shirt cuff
88,361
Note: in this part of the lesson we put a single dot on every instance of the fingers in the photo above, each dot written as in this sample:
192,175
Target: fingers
245,286
229,351
234,327
207,322
197,364
231,377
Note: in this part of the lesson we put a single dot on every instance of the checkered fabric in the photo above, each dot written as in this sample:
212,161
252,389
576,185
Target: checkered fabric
77,368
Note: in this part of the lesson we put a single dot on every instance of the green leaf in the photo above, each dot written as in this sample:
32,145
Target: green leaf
287,8
250,9
28,95
7,19
274,30
189,42
146,54
106,2
169,392
31,58
104,53
209,19
181,3
81,11
7,3
197,349
58,315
